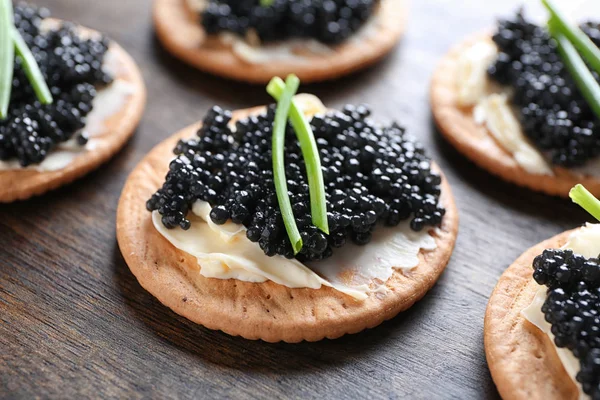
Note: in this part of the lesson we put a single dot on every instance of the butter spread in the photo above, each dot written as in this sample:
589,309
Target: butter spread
585,241
472,72
492,107
224,252
107,102
309,104
197,5
501,122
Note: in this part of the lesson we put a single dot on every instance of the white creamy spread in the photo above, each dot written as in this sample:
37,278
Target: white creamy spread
495,111
492,107
107,102
197,5
284,51
585,241
472,72
291,50
224,251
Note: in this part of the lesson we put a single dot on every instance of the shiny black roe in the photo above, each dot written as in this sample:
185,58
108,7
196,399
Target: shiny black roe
329,21
372,174
573,309
72,68
553,113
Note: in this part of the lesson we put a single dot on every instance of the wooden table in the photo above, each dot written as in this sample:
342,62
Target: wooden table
74,322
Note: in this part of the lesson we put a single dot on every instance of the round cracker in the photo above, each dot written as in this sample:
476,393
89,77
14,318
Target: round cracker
457,125
21,184
266,311
522,359
181,33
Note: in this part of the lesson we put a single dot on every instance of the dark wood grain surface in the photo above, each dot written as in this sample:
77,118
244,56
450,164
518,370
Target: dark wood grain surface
74,322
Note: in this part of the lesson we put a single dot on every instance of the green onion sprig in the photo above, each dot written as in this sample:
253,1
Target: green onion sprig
266,3
581,196
278,147
11,41
32,70
588,50
310,153
582,76
7,55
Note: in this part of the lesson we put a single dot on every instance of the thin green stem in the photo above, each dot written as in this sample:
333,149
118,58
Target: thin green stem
582,76
266,3
310,152
278,147
7,55
588,50
32,69
581,196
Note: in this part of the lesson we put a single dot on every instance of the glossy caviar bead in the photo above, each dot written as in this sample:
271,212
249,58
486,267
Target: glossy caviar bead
72,68
373,175
220,214
573,309
329,21
552,111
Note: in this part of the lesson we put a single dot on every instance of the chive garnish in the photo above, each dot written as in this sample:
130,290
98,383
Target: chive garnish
581,196
11,41
266,3
278,147
582,76
32,70
588,50
7,55
310,152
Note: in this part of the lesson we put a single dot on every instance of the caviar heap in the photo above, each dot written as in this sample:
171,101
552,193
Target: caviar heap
573,309
553,113
372,174
328,21
72,68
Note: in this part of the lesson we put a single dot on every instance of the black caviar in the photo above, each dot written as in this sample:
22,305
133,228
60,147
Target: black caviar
553,113
372,174
329,21
72,68
573,309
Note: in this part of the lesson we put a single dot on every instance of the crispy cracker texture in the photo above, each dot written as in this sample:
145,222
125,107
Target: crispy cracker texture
266,311
474,141
521,358
25,183
181,33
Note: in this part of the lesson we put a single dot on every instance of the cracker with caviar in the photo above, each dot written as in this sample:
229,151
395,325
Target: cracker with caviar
542,324
254,40
523,104
93,98
208,227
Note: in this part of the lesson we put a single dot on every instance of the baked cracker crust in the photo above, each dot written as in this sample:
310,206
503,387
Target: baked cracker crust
266,311
24,183
181,33
521,358
475,142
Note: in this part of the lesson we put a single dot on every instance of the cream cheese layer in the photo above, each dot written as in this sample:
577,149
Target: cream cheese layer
224,252
492,108
584,241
